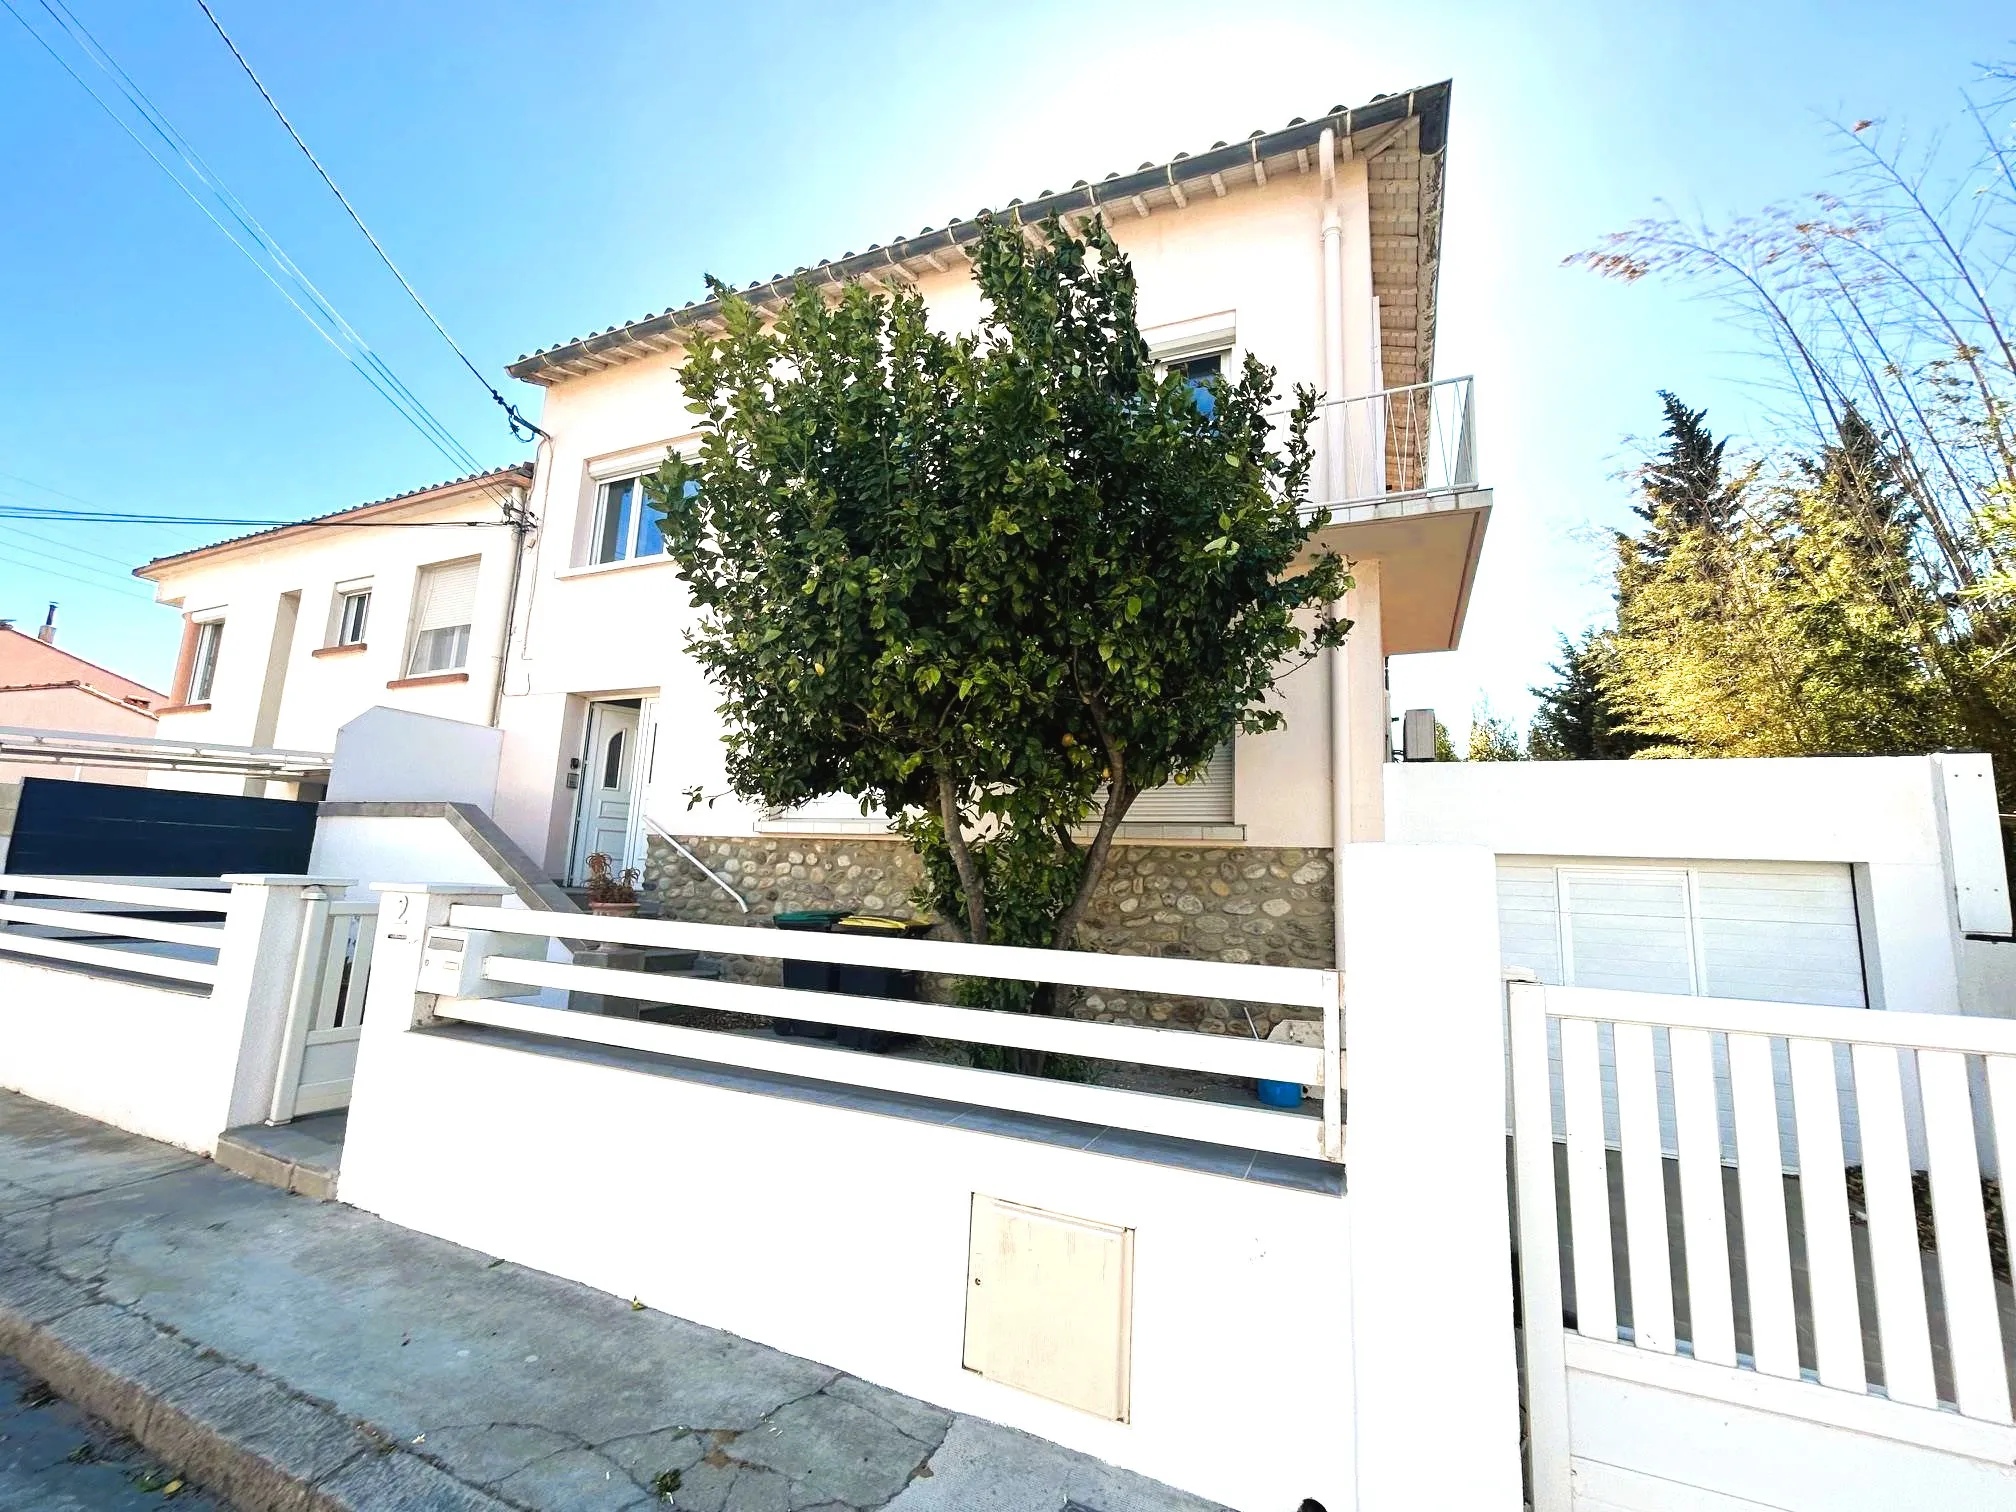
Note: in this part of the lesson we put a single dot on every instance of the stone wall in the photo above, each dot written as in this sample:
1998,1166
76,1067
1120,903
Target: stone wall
1211,902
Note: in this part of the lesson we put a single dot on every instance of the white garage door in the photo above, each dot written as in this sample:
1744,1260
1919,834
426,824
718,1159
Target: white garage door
1773,931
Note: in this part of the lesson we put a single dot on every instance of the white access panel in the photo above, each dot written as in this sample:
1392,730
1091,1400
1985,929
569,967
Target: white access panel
1049,1305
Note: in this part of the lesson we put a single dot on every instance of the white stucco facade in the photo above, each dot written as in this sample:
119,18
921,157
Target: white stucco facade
283,674
1240,271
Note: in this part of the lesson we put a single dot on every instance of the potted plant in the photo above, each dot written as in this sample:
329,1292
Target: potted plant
611,891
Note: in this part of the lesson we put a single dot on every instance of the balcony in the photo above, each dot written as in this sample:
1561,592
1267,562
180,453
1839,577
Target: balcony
1400,452
1397,473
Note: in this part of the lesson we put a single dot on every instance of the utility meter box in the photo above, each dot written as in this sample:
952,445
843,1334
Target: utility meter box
451,961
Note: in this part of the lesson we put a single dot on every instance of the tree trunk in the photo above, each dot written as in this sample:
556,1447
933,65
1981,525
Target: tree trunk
962,859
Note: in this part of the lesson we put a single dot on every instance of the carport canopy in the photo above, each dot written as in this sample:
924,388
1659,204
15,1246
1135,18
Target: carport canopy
83,748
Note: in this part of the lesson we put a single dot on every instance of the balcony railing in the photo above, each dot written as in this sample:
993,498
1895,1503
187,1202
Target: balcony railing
1413,441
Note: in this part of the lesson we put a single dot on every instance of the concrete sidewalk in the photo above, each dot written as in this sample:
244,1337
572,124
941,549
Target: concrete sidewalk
292,1353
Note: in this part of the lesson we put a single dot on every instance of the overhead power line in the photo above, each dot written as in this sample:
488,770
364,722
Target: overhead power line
325,318
521,428
89,517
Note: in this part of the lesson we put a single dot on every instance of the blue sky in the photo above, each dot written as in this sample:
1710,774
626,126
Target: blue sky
541,171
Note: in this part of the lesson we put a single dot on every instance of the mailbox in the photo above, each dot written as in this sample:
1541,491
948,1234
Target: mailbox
451,961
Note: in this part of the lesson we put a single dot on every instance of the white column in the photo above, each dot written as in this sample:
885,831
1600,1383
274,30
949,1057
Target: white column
406,911
1435,1383
255,978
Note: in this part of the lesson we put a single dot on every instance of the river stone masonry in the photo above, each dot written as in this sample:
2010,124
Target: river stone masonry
1270,905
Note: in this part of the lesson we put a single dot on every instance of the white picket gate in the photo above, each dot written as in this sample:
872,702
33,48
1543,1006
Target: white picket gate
1770,1330
318,1055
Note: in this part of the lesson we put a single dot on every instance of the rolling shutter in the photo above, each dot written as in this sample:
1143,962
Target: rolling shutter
1205,799
445,596
1772,932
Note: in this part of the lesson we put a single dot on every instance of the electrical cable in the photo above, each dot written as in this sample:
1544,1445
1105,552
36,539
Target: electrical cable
521,428
372,368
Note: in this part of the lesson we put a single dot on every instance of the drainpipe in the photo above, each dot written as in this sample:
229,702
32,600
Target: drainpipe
1333,484
1333,321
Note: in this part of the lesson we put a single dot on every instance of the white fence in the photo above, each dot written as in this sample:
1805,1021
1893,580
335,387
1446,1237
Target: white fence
158,1005
134,925
1802,1326
826,1201
1287,1133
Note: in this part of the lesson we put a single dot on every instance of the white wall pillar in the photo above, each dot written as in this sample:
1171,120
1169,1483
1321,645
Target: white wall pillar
1369,734
406,911
254,989
1436,1386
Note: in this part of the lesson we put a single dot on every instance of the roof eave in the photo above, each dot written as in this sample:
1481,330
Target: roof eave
427,498
661,332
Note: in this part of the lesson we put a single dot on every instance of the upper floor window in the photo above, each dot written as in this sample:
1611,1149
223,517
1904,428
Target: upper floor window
1199,372
444,606
203,666
626,527
353,612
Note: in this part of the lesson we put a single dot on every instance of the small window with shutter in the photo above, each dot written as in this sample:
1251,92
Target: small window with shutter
444,607
1205,799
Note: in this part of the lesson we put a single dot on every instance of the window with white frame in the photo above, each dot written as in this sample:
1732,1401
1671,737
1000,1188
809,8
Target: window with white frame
353,614
1200,373
1205,799
444,606
1199,350
203,665
626,526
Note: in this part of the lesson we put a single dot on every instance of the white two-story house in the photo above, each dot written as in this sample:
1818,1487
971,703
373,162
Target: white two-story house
1315,246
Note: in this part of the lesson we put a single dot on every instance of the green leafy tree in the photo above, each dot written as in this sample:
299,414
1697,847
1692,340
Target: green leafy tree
997,584
1685,488
1578,718
1445,748
1876,569
1493,738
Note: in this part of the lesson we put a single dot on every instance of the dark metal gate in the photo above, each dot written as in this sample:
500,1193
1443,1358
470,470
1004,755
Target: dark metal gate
102,829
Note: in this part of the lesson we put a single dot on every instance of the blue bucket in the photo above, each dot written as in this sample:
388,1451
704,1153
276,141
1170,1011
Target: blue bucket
1279,1094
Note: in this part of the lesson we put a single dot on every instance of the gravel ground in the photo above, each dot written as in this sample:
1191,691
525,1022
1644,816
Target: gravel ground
54,1458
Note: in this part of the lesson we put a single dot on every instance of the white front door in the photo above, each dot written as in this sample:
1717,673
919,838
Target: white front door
608,772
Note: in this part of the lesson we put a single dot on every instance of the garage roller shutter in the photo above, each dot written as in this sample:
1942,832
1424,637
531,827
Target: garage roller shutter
1774,932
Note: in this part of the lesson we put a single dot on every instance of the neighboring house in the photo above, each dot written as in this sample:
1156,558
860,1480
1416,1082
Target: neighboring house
1315,246
44,688
290,632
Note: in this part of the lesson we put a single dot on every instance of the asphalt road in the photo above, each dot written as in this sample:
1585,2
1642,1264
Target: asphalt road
54,1458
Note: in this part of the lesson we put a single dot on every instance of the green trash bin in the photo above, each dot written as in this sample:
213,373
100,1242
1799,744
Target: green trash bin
807,976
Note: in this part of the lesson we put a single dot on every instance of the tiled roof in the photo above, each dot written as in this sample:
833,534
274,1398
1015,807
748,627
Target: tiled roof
1150,183
519,473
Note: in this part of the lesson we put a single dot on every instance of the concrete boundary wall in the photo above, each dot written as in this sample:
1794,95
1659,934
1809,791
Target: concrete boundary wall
170,1061
1920,833
1286,1343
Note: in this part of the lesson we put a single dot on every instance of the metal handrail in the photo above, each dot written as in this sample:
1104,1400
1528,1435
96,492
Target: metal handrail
700,866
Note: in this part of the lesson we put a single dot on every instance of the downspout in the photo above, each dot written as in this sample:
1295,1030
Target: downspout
1333,322
1333,477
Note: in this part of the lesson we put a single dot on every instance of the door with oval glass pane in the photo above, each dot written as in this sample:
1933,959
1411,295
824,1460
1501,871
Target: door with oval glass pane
608,772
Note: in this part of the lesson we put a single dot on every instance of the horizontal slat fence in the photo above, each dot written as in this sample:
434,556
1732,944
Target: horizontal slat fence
1221,1123
116,924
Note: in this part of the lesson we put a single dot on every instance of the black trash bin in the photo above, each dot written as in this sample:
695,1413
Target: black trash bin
876,981
807,976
